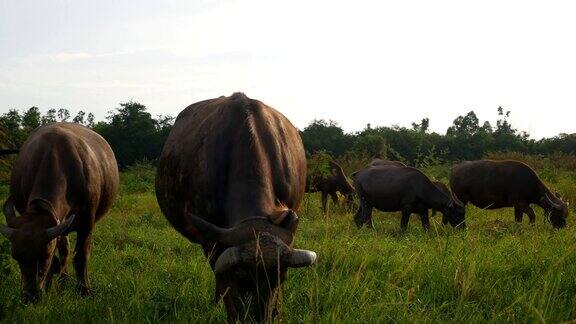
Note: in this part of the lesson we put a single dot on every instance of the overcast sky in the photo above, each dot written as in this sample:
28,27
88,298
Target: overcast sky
356,62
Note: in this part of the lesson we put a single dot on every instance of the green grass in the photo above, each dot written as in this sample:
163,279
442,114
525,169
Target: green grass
143,271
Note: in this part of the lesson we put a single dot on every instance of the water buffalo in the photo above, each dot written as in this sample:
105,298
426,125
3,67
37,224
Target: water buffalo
497,184
331,184
63,180
396,188
230,177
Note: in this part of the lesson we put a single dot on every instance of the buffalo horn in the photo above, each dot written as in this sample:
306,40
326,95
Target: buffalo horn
229,258
7,231
553,204
458,202
9,211
300,258
59,229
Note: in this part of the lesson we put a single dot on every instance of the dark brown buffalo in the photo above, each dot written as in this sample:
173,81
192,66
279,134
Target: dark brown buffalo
498,184
63,180
230,177
331,184
395,188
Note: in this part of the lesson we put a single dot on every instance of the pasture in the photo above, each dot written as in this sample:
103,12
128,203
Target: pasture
142,270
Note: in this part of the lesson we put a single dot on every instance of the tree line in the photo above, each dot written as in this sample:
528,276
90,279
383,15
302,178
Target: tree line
135,135
132,132
466,139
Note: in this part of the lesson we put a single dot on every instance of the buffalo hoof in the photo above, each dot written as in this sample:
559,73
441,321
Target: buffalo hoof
30,297
84,291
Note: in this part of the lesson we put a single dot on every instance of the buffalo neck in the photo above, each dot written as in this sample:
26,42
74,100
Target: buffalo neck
250,190
50,185
543,202
434,197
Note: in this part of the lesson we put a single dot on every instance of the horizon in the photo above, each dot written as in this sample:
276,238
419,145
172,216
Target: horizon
356,64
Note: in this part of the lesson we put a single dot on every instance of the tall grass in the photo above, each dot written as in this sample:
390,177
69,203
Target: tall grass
143,271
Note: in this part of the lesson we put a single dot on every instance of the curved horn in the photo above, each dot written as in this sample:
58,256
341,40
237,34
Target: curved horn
229,258
7,231
300,258
458,202
553,204
211,231
59,229
9,211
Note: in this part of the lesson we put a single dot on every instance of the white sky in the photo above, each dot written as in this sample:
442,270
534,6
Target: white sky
356,62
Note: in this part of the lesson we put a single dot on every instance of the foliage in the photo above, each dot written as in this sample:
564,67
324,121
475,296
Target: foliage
131,131
467,139
136,136
319,165
133,134
321,135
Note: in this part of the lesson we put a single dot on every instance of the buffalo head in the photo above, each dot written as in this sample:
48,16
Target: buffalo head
454,213
250,262
557,210
33,241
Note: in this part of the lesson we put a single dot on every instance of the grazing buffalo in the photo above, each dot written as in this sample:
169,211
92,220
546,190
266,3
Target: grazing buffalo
497,184
230,177
63,180
395,188
331,184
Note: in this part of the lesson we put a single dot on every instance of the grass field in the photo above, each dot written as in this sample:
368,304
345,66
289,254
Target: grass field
496,270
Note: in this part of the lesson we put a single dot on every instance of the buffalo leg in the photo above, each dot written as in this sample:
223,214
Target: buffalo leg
363,214
404,220
525,208
425,220
334,196
324,201
518,214
63,252
58,266
531,214
81,254
368,217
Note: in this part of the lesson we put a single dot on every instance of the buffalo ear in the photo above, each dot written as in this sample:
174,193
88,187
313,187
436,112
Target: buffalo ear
7,231
42,205
289,220
9,211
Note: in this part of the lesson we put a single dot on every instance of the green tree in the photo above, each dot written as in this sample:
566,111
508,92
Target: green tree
423,126
49,117
90,120
31,119
79,118
63,114
133,134
13,134
467,140
326,136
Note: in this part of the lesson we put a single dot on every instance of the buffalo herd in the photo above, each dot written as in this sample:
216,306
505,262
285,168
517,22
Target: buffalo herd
231,178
